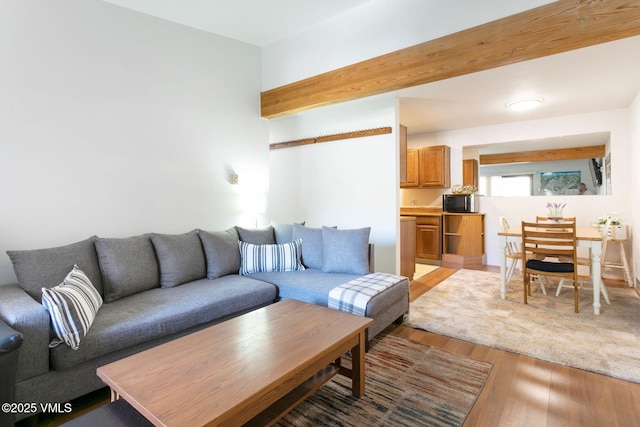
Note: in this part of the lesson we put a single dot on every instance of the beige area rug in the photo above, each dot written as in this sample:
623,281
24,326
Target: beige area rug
423,269
467,306
406,384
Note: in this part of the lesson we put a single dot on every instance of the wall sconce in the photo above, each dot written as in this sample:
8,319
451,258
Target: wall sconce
234,178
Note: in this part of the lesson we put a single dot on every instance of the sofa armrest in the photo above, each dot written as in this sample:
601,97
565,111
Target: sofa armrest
27,316
10,341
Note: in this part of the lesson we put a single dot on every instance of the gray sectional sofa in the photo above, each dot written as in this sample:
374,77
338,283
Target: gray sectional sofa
157,287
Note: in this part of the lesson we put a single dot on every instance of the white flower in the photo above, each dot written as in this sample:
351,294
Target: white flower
610,218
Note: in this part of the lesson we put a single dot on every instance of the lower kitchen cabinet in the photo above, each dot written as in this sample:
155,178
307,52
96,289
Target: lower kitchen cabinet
429,237
463,240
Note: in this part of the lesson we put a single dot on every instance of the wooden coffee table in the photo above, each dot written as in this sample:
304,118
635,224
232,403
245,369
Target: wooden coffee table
251,369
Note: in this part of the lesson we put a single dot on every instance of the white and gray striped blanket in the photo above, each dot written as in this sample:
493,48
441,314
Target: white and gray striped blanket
354,295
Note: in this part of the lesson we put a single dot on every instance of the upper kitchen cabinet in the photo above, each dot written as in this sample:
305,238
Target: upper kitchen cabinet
470,172
434,166
413,168
427,167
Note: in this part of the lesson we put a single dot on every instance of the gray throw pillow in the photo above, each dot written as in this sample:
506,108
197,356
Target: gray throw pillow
128,266
283,232
46,268
221,252
257,236
180,258
345,251
311,245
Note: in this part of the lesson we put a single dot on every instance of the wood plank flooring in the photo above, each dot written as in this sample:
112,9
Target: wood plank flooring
522,391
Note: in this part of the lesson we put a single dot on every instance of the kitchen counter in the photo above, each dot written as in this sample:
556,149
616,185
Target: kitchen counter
420,211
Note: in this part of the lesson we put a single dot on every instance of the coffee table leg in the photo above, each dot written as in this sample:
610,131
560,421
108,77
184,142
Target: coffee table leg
357,368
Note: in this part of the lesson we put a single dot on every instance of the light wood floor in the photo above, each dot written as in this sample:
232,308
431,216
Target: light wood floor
522,391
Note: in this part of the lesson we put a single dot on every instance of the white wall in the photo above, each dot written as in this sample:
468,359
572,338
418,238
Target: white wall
634,178
585,208
116,123
350,183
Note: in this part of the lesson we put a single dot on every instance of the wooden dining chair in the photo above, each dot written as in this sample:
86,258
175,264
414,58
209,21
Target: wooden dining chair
586,261
513,251
543,244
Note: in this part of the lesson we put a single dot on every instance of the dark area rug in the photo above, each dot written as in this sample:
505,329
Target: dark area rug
407,384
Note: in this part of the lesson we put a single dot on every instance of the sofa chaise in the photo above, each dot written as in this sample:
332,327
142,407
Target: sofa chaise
148,289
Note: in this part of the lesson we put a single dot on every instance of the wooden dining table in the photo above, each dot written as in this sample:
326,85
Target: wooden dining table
588,237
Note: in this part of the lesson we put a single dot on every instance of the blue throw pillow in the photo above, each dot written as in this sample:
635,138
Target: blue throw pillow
345,251
311,245
221,252
283,232
257,236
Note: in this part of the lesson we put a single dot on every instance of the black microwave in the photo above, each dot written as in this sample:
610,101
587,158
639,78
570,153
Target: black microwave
460,203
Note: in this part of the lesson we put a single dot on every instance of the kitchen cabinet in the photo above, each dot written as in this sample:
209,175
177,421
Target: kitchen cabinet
428,243
434,166
407,246
463,240
429,237
412,181
470,172
403,154
428,167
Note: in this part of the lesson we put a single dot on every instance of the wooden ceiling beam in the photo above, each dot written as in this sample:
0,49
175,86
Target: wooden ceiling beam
557,27
575,153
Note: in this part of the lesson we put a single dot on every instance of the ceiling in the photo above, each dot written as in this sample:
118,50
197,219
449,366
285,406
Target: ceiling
600,77
258,22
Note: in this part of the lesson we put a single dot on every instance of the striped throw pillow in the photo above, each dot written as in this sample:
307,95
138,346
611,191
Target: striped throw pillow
264,258
72,306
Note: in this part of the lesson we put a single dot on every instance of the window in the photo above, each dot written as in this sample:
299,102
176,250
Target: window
507,185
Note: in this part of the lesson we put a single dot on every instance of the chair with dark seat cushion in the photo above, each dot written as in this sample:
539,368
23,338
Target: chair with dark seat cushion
543,245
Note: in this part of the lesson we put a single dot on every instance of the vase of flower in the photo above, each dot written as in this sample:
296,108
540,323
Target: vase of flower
618,232
555,212
612,225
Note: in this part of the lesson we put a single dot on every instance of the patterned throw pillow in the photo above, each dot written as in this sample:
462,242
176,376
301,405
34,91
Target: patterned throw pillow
264,258
72,306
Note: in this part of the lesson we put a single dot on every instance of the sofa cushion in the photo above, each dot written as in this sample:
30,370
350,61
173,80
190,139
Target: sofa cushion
48,267
312,286
161,312
256,258
128,266
180,258
311,245
257,236
221,252
72,306
283,232
345,251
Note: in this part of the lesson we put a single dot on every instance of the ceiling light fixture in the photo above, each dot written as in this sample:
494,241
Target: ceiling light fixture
524,104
